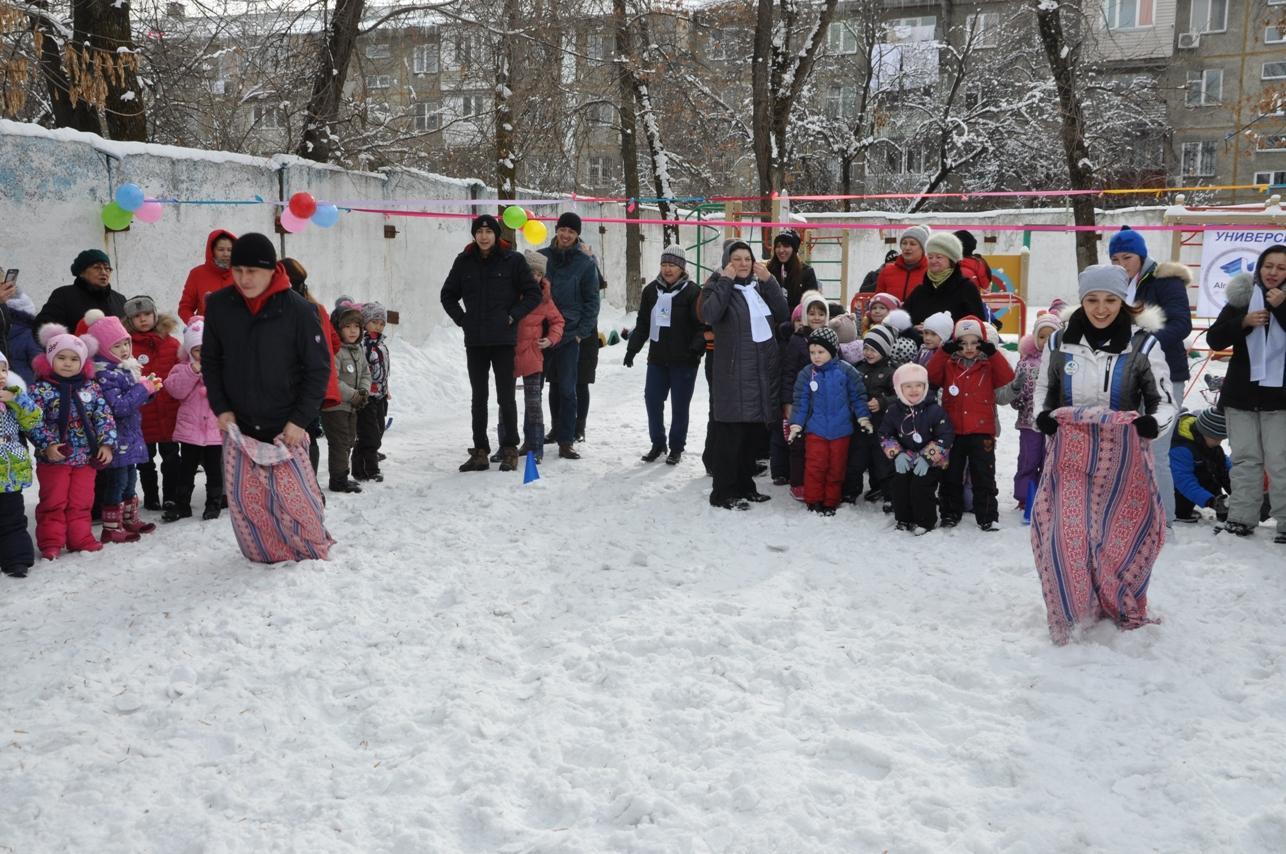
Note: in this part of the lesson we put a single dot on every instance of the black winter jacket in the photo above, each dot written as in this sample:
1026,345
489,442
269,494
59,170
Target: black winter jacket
957,296
67,305
679,345
879,384
1226,332
267,368
794,288
498,291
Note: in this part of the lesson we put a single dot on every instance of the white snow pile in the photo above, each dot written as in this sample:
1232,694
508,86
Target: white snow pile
600,662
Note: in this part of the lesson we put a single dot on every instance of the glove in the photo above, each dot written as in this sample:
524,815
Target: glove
795,430
360,398
865,424
629,359
902,463
988,349
1146,426
1046,424
921,467
1220,504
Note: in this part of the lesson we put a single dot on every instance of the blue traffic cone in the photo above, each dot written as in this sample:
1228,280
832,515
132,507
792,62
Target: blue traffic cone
531,472
1031,499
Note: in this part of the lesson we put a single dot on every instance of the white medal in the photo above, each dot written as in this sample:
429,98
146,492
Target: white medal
144,359
916,437
955,390
813,385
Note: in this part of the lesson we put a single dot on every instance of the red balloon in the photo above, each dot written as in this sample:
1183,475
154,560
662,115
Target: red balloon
303,205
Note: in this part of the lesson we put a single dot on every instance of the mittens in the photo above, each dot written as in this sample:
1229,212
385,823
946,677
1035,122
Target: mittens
795,430
629,359
865,424
1046,424
1146,426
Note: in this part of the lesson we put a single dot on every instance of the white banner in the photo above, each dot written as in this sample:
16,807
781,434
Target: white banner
1225,252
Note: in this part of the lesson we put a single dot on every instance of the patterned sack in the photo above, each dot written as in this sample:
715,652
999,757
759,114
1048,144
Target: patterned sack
1097,525
274,500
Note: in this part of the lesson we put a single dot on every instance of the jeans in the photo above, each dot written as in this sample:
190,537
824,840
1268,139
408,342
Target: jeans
500,361
677,383
119,485
566,359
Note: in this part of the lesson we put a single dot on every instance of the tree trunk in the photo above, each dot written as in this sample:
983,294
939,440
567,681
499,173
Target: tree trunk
105,25
629,159
506,61
318,140
1080,170
761,108
82,116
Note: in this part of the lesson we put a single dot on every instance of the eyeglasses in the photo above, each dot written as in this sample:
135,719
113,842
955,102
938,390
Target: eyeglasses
106,268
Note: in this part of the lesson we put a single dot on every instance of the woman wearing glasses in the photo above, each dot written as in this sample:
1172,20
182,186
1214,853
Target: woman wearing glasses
91,289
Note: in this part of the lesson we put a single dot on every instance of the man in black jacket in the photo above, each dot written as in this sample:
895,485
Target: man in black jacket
264,356
92,289
498,290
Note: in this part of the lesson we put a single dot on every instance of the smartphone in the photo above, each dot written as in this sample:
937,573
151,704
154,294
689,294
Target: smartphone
11,276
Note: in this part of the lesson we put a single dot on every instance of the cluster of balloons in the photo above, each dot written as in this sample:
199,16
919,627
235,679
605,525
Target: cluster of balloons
303,209
129,203
525,221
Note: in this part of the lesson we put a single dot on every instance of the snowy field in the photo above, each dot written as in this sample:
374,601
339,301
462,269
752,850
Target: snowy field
600,662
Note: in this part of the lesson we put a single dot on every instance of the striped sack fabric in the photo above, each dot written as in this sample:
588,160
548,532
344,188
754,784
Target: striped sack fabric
1097,525
274,500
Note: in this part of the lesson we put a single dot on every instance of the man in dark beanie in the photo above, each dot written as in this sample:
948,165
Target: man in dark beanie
91,289
574,280
265,359
497,289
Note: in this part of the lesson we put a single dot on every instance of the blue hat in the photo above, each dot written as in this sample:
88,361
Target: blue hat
1127,240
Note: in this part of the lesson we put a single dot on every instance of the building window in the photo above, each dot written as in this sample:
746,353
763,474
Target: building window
378,51
1208,16
379,81
909,30
599,170
598,46
472,105
1205,88
984,30
266,116
1198,159
1274,35
428,116
425,59
841,102
1271,142
1274,71
840,39
463,51
1276,179
599,114
1128,14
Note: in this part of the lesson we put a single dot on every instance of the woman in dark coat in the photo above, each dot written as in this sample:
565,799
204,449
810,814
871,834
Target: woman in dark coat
744,305
1253,325
944,288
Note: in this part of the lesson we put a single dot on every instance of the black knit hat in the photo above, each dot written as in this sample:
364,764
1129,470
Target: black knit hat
486,221
788,237
254,250
87,259
1212,422
968,242
825,337
570,220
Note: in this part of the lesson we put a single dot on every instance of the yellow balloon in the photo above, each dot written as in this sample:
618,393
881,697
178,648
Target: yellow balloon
535,231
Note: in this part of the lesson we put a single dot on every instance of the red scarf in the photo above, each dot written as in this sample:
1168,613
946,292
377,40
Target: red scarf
280,282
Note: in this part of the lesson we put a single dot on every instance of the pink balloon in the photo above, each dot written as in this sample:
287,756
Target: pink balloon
151,211
292,223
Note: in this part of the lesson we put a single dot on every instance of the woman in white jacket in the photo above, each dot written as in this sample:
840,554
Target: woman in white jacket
1107,356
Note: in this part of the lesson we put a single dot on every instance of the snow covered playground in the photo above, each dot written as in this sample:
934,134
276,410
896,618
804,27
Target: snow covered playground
599,661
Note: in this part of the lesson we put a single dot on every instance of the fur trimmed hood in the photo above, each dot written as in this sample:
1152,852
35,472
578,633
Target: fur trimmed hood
1173,269
1238,291
1150,319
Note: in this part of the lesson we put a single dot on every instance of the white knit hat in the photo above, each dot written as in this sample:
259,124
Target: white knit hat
941,323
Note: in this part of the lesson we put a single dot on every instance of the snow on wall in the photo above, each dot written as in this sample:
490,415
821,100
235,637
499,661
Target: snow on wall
54,183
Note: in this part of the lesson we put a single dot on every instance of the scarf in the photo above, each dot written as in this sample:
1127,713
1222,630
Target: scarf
938,278
1266,346
68,396
663,307
760,328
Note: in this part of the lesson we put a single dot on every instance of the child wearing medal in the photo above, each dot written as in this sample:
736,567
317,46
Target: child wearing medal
969,370
916,435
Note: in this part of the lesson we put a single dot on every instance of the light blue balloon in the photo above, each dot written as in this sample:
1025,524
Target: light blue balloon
325,216
130,197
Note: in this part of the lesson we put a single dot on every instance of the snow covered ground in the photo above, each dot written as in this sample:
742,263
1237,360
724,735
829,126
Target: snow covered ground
600,662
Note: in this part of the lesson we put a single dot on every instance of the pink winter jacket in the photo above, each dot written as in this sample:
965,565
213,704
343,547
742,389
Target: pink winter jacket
196,423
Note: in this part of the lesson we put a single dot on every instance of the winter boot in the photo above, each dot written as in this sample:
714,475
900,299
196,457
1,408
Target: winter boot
567,452
673,458
654,454
177,512
477,460
508,458
112,532
130,521
497,457
580,430
17,570
212,510
151,495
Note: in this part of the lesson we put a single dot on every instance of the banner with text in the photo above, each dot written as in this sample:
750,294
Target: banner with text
1225,252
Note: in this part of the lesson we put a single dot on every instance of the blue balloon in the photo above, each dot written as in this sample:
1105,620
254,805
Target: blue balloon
325,216
130,197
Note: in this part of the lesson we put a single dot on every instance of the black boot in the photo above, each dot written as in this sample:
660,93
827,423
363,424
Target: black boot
212,510
580,430
655,454
673,458
177,512
17,570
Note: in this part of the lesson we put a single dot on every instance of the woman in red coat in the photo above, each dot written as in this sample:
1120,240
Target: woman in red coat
157,350
213,275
